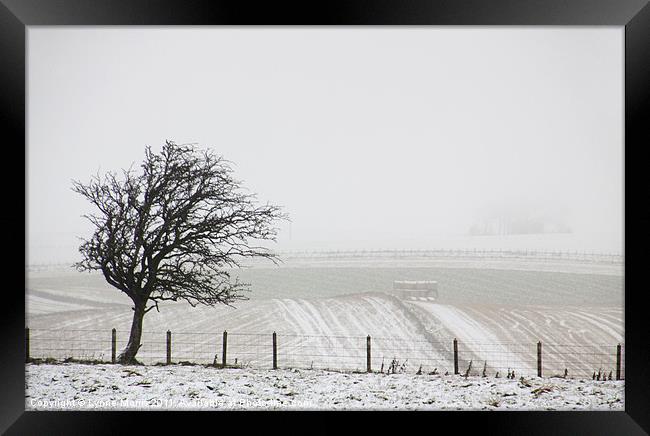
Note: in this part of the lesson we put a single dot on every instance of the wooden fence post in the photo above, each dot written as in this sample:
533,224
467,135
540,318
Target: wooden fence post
169,347
368,355
113,345
223,349
26,344
455,356
275,351
539,358
618,362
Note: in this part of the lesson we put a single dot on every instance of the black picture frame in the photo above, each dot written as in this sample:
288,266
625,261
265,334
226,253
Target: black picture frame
15,15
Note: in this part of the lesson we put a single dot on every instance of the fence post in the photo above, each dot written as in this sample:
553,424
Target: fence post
224,347
539,358
275,351
455,356
27,344
618,362
113,345
368,355
169,347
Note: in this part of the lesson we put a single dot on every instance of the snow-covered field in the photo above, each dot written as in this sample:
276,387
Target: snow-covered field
331,333
581,339
471,283
322,315
89,387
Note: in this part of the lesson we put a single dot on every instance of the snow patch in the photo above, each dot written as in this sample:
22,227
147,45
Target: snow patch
116,387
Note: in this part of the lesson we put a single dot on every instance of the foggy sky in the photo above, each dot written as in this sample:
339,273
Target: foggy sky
369,137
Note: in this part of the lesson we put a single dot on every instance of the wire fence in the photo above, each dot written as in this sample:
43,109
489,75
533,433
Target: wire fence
483,254
344,353
465,253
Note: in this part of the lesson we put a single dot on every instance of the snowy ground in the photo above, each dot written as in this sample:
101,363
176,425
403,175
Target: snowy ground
83,387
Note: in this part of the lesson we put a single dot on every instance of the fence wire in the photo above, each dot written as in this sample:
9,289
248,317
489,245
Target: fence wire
346,353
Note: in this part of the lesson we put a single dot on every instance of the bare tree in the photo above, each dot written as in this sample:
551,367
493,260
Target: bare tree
171,230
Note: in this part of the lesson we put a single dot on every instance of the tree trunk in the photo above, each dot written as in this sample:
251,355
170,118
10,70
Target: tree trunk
128,355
